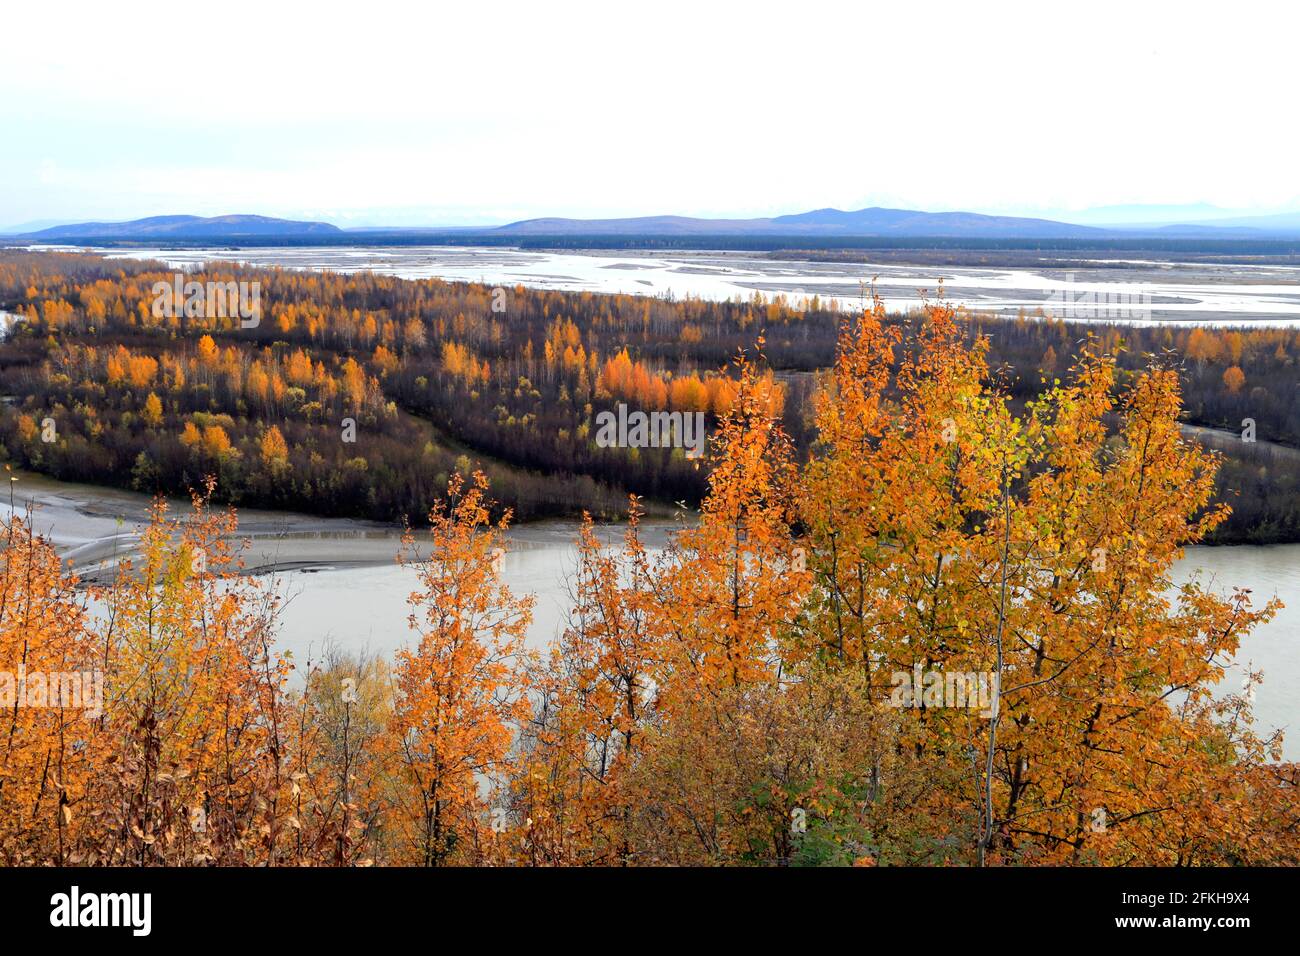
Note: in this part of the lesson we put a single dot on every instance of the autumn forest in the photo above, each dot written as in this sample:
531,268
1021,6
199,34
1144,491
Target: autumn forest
886,502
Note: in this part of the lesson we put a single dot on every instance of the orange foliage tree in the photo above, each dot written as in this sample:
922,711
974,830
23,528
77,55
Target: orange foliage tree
732,697
459,691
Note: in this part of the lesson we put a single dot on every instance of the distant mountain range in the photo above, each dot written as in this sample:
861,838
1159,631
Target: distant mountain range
874,221
820,223
1288,222
183,227
905,223
32,226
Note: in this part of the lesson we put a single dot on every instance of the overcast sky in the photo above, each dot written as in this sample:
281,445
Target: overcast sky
477,112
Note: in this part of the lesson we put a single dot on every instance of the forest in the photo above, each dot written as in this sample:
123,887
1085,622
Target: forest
361,395
728,700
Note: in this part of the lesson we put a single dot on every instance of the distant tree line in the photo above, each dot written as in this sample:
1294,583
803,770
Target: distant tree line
360,395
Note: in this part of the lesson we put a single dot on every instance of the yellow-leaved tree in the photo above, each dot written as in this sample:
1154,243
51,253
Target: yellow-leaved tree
1012,572
460,690
594,697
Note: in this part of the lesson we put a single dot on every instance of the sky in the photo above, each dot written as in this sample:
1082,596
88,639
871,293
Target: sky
476,113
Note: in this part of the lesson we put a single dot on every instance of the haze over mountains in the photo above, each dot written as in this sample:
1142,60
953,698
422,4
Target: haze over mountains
820,223
873,221
184,227
876,221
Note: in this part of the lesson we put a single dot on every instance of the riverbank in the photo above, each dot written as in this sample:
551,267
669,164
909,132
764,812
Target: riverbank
94,527
341,583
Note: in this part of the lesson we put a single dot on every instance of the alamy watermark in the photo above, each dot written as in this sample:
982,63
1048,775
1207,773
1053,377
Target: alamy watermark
74,908
68,690
1077,303
967,690
208,300
638,429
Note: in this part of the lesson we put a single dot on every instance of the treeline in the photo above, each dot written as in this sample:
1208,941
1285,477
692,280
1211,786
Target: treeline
1243,382
515,376
377,387
786,246
950,637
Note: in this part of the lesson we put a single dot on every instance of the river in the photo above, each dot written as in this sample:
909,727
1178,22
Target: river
341,583
1142,292
340,579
